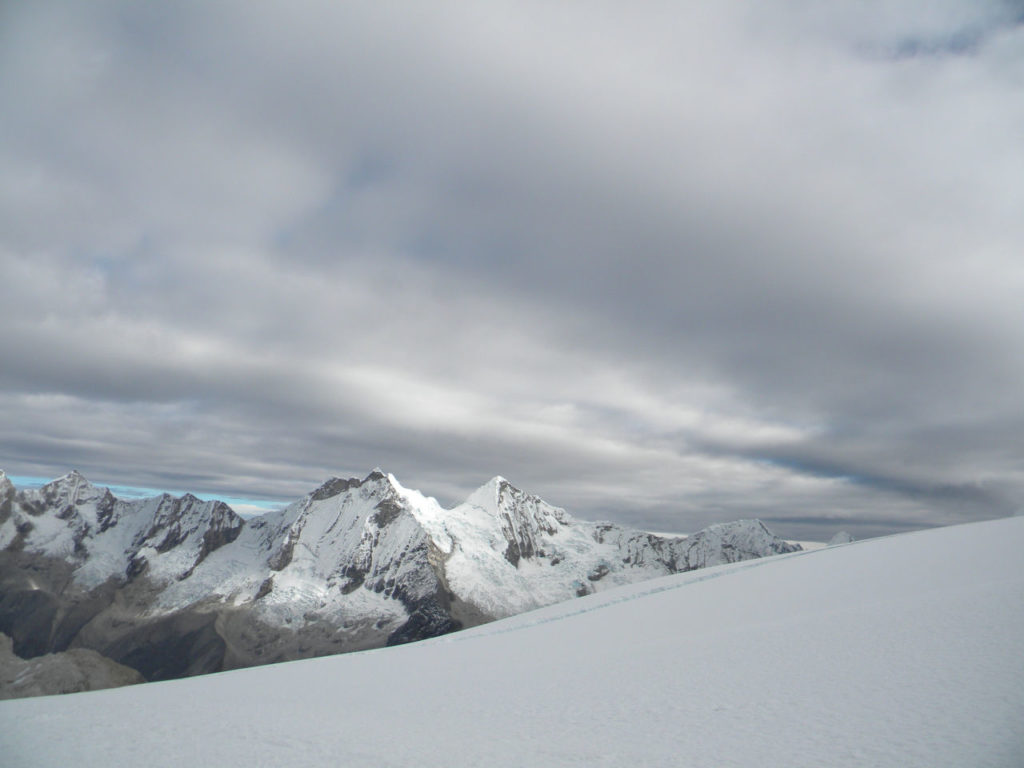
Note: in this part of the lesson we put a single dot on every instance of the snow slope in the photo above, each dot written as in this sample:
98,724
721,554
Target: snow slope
903,651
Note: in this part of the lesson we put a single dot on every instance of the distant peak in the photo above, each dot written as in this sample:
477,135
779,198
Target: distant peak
71,487
72,477
751,524
333,487
336,485
488,496
499,483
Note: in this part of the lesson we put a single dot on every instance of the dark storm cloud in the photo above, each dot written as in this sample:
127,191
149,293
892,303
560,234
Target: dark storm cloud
666,265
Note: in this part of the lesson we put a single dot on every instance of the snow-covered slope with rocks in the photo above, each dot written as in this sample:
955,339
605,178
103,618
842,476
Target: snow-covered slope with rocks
178,586
508,551
103,536
902,651
79,669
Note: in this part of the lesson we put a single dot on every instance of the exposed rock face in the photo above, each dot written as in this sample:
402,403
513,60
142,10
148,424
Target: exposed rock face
104,537
179,586
7,493
731,543
352,535
69,672
509,551
524,519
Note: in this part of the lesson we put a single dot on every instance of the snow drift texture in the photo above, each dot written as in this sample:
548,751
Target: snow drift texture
179,586
904,651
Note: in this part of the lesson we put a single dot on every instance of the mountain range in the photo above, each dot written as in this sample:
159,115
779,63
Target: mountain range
178,586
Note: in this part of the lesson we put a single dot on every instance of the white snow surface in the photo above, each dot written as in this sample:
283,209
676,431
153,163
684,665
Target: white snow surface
902,651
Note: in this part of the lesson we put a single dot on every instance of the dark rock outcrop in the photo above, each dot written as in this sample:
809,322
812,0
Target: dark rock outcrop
72,671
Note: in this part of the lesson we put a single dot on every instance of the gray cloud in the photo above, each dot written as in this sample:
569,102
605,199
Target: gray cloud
669,266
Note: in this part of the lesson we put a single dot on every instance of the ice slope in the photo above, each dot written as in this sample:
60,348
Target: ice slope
903,651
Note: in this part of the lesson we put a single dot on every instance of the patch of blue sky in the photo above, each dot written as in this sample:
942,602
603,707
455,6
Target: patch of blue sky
252,506
27,481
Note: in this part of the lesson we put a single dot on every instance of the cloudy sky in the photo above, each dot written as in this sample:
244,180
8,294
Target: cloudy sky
662,263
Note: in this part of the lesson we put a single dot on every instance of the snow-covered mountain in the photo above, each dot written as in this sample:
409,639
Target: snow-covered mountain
899,651
103,536
179,586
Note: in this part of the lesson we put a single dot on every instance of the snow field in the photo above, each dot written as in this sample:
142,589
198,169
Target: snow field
903,651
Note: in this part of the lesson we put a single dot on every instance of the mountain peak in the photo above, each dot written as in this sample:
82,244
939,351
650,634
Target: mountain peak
732,541
333,487
488,496
842,537
336,485
382,481
71,484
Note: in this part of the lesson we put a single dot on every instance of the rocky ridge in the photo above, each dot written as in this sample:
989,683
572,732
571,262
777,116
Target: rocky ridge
79,669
